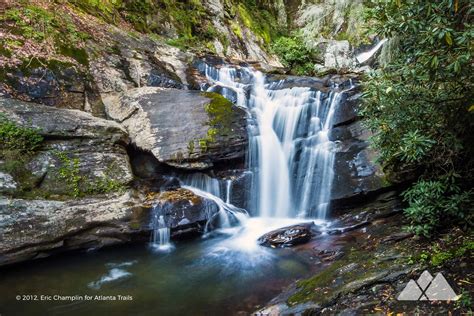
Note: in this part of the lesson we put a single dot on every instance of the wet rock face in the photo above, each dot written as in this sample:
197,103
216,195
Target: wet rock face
288,236
32,229
172,124
185,213
356,172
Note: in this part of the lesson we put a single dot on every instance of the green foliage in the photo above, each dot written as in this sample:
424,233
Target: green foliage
79,185
465,301
70,172
258,20
47,26
24,140
433,203
418,105
294,54
438,256
105,9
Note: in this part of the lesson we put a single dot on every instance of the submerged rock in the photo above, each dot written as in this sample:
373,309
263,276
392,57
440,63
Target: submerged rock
288,236
184,212
182,128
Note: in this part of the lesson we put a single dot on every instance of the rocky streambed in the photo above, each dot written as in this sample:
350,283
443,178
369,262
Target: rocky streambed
97,182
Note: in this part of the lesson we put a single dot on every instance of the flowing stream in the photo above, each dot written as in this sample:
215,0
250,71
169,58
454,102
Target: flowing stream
291,160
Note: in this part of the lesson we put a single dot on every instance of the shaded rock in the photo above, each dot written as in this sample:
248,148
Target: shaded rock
184,212
31,229
139,62
347,111
288,236
397,237
7,183
51,83
241,187
330,255
97,144
172,124
357,175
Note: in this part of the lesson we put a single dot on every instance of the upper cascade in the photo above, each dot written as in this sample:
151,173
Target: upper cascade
290,153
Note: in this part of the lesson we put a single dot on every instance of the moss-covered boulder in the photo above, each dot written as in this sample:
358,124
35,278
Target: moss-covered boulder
184,129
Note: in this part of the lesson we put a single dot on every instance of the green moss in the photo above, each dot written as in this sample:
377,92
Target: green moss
235,27
220,111
104,9
259,21
321,287
440,257
79,54
220,114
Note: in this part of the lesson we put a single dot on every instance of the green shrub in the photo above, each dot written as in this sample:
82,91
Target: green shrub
24,140
294,55
419,106
433,203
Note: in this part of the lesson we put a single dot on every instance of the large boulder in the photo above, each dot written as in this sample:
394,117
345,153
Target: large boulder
75,144
182,128
184,212
31,229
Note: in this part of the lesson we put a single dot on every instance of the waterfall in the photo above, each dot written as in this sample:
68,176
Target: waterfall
228,214
161,232
363,57
290,153
228,190
203,182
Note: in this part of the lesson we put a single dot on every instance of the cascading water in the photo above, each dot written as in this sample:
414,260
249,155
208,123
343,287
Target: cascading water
228,190
161,232
290,153
228,214
203,182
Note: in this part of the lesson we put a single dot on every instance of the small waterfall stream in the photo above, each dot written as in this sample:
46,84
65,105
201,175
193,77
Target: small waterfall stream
161,232
290,153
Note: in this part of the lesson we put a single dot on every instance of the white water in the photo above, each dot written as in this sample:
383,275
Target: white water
202,182
290,153
228,190
363,57
112,275
161,233
228,214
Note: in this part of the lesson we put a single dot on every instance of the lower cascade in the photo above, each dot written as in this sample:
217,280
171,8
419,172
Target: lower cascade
161,233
